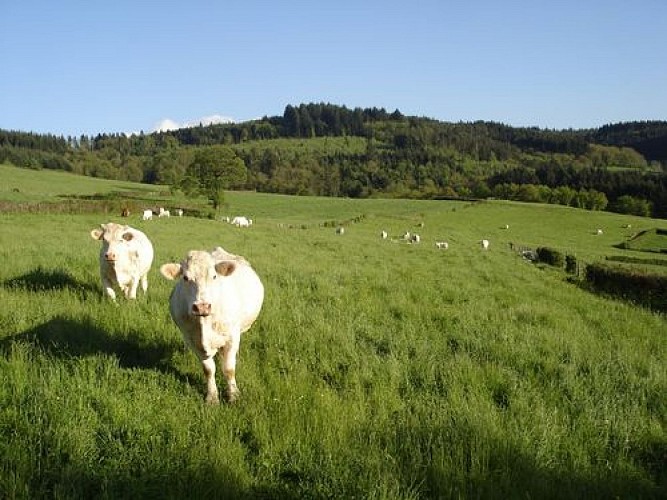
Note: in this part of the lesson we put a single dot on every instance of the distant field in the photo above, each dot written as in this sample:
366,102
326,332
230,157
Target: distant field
377,369
651,240
19,184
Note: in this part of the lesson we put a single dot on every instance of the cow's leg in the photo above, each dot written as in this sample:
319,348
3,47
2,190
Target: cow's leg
108,287
211,388
229,367
144,283
131,291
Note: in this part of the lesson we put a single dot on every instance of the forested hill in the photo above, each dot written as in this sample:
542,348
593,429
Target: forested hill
331,150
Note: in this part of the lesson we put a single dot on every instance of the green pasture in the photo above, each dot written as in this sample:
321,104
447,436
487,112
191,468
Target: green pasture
24,185
650,240
377,369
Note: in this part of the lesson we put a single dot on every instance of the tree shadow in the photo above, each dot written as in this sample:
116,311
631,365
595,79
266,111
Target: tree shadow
41,280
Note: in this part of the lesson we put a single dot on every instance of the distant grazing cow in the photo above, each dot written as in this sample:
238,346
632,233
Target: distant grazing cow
125,212
406,236
179,212
598,231
340,230
415,238
384,235
241,221
443,245
163,213
125,259
628,226
507,226
217,297
485,244
147,215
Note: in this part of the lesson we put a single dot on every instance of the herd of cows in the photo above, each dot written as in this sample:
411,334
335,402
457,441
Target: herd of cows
217,295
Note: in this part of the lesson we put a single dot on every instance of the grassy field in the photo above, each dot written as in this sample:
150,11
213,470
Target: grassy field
377,369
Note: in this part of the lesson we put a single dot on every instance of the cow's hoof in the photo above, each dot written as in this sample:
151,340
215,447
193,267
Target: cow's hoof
212,399
232,397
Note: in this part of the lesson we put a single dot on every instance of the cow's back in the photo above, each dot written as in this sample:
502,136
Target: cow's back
239,297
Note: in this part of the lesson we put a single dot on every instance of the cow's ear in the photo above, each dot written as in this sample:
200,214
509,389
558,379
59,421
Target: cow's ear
170,271
225,267
96,234
128,236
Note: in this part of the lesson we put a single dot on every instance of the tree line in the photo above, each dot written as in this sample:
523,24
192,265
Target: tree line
324,149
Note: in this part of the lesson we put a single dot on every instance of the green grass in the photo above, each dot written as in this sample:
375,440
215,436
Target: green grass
650,240
377,369
23,185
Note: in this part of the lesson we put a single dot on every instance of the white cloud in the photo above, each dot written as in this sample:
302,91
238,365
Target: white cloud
169,124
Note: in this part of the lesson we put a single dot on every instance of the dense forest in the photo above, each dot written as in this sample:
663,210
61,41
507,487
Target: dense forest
331,150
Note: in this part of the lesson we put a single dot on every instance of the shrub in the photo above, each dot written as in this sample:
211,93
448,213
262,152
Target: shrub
550,256
571,264
631,284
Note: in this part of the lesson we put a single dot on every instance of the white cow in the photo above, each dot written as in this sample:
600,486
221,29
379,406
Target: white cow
163,213
384,235
125,259
485,244
147,215
241,221
217,297
443,245
598,231
415,238
179,212
340,230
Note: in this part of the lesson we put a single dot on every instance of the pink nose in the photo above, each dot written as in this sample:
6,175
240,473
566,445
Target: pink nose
110,256
201,308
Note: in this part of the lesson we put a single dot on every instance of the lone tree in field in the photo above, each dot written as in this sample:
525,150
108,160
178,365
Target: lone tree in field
213,170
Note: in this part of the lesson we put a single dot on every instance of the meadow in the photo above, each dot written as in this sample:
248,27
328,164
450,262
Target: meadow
377,369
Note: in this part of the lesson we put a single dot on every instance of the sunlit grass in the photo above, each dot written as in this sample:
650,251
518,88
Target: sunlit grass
377,369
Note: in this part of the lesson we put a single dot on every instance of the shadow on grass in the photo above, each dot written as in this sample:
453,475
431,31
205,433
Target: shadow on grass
41,280
511,472
173,477
66,338
61,474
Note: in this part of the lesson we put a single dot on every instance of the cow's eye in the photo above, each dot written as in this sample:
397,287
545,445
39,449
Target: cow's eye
185,277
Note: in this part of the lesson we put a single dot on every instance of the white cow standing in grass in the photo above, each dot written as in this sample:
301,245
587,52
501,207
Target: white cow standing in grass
217,297
485,244
125,259
147,215
241,221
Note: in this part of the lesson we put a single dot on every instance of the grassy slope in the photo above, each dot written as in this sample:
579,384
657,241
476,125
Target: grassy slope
23,185
377,369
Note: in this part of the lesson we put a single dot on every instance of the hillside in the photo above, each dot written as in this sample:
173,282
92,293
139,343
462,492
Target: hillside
329,150
377,368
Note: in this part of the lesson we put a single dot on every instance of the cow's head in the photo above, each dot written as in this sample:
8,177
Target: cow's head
114,239
198,273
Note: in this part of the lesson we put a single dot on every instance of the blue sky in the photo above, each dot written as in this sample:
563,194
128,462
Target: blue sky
87,67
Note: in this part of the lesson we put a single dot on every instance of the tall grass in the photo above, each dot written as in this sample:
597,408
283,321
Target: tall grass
377,369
